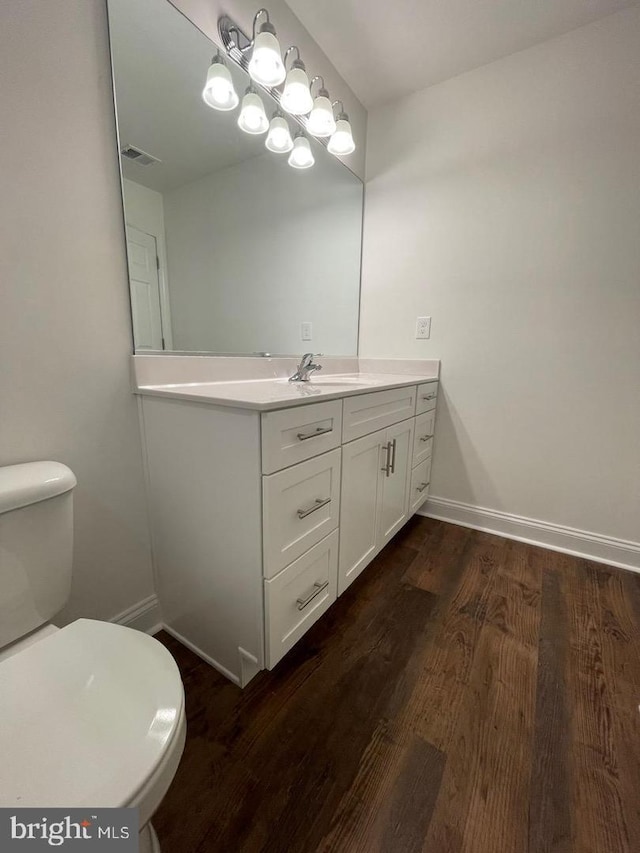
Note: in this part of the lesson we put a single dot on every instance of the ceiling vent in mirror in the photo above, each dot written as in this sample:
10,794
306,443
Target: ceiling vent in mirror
138,156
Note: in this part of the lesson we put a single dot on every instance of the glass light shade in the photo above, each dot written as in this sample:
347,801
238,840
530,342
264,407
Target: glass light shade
279,137
296,97
321,121
252,118
218,91
301,156
266,66
342,140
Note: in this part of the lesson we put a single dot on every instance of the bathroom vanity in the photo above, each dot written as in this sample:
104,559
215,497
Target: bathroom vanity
269,498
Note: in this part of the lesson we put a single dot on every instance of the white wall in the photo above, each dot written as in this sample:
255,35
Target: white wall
506,204
65,334
307,225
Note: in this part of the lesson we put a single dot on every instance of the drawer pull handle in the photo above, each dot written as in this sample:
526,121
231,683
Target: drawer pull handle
314,434
317,589
429,396
426,437
421,487
387,466
318,503
393,456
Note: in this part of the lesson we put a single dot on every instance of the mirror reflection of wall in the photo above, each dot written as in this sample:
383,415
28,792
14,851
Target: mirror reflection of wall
230,249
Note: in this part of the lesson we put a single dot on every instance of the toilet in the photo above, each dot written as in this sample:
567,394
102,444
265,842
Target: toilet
91,714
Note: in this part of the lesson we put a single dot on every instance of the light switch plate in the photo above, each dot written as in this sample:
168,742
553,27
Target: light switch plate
306,331
423,328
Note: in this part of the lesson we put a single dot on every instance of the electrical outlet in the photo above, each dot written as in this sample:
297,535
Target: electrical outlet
423,328
306,331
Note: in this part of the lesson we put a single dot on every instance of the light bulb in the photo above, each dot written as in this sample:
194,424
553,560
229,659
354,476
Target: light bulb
342,140
266,66
321,121
301,156
252,118
296,97
218,91
279,137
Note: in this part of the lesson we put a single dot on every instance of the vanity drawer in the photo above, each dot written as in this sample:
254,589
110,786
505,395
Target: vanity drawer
420,478
427,395
298,596
300,506
423,436
366,413
292,435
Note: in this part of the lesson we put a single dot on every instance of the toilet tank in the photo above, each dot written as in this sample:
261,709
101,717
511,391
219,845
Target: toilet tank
36,543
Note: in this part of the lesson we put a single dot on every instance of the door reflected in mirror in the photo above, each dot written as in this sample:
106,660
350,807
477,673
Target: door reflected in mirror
230,249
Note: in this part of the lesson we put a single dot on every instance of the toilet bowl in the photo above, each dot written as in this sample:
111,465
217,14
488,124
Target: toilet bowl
92,714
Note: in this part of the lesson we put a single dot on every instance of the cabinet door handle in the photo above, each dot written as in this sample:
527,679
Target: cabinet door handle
426,437
393,456
318,504
421,487
317,589
429,396
387,466
319,431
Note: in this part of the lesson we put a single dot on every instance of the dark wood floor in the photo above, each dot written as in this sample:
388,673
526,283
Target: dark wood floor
467,693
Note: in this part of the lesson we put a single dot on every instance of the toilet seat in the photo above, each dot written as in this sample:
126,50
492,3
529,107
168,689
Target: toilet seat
90,716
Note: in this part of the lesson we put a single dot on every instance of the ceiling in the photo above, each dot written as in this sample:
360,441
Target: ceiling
385,50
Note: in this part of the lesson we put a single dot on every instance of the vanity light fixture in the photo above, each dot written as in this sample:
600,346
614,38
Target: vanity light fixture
279,137
219,91
341,141
296,96
321,121
301,156
260,57
266,66
252,118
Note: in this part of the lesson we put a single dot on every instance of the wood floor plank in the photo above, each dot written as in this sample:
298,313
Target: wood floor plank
448,660
549,814
620,654
365,808
484,797
415,792
598,808
439,549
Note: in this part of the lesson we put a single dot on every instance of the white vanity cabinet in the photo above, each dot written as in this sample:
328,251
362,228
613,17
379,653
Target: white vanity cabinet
261,519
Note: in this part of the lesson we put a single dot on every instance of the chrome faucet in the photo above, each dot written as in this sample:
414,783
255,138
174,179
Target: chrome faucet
305,367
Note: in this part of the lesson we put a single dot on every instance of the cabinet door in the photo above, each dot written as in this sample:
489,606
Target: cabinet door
395,482
360,505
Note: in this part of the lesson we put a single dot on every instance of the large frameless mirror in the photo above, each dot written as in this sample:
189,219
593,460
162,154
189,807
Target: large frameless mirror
230,249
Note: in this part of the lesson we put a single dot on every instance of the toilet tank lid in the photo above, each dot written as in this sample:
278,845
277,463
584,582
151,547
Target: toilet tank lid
31,482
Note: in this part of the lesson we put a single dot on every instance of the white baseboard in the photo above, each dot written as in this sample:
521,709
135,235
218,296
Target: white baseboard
591,546
214,663
143,616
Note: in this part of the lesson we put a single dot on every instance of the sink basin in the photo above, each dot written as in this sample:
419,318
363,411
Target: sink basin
335,382
340,380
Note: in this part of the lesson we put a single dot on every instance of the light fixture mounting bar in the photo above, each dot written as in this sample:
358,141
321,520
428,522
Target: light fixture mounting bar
236,42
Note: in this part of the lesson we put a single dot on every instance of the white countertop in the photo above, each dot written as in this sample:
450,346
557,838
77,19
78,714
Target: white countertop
267,394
